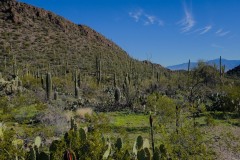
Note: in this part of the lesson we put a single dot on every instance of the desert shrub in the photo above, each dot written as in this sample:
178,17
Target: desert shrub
4,103
25,113
209,120
9,148
30,82
233,98
162,106
54,117
82,112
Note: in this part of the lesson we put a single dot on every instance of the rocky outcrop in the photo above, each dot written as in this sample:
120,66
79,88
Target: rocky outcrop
9,87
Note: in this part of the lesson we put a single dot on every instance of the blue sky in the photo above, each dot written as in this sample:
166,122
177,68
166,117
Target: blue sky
164,31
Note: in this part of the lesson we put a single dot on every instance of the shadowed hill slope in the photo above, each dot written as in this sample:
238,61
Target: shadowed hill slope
234,72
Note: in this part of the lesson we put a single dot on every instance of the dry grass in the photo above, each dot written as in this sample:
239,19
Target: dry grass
82,112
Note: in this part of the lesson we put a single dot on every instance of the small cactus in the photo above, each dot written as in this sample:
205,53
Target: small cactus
83,135
163,151
55,95
117,95
32,154
146,143
156,155
107,152
73,124
141,155
43,156
139,143
38,141
118,144
126,155
53,146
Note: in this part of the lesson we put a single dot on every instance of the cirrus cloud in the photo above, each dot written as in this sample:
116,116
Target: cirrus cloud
147,19
188,22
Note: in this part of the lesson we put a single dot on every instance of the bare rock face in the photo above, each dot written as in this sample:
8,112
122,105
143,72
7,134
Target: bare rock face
8,87
22,13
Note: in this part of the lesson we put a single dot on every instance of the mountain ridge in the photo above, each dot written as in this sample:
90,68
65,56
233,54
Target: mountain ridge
38,38
229,64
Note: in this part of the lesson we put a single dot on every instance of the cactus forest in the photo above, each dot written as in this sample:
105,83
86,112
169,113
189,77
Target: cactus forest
69,93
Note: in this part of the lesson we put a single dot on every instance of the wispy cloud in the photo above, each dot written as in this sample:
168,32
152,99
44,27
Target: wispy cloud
202,31
222,33
206,29
146,19
188,22
136,14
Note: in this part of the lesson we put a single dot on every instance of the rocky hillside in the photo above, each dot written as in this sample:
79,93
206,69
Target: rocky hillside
234,72
40,39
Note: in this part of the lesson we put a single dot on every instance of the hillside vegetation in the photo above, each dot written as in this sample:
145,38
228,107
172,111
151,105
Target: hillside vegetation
66,92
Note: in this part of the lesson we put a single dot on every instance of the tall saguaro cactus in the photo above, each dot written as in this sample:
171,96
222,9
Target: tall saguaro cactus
151,129
158,77
220,66
76,85
14,67
99,69
5,62
152,71
189,63
177,118
48,85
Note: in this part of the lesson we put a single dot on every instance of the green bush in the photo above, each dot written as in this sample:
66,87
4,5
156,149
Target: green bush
162,106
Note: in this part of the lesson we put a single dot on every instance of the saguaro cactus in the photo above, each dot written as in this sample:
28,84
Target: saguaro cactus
76,85
117,95
5,62
220,66
126,89
189,63
151,129
79,80
55,95
153,71
48,85
118,144
177,118
14,67
115,80
99,69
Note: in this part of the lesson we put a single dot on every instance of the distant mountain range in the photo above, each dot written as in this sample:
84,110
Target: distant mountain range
229,64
